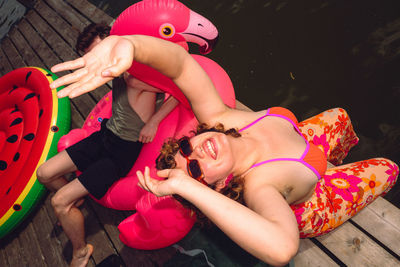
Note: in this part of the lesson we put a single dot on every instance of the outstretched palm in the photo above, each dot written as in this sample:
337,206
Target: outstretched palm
107,60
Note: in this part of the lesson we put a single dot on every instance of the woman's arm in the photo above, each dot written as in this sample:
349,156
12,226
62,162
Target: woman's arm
114,55
241,106
268,232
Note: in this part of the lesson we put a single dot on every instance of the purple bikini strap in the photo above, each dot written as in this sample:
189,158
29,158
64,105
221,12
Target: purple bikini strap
289,159
254,122
274,115
301,159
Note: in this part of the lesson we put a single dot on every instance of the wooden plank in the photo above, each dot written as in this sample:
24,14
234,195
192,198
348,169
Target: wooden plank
110,219
14,57
15,255
29,56
382,220
76,118
70,34
68,13
64,51
52,251
38,44
31,246
311,255
91,11
3,258
354,248
5,66
96,235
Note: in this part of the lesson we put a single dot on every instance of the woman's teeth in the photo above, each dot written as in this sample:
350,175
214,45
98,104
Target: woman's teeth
211,148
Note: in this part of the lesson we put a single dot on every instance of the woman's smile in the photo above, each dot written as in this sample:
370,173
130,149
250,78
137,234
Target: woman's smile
210,147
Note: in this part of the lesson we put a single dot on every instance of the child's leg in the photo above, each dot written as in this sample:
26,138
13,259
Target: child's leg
72,220
51,172
331,131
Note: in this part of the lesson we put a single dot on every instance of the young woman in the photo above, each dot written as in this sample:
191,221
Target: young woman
286,186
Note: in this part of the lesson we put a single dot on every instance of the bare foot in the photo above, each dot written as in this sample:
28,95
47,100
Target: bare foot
82,257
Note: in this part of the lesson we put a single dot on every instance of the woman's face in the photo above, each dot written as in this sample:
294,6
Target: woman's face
213,151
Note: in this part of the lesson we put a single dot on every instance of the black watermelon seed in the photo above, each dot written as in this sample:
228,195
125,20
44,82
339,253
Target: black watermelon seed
15,109
27,76
14,87
28,96
40,113
16,156
8,191
16,121
29,137
3,165
54,129
12,138
17,207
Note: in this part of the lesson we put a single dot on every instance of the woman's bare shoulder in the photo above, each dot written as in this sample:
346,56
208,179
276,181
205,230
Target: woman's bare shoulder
238,118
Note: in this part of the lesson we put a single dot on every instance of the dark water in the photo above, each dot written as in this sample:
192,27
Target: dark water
313,55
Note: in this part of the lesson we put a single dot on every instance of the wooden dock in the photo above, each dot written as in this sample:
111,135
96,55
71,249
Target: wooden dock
45,37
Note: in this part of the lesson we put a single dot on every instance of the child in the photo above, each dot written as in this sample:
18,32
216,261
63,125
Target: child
106,155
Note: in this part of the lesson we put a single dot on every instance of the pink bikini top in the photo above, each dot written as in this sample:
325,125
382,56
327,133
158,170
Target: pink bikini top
312,157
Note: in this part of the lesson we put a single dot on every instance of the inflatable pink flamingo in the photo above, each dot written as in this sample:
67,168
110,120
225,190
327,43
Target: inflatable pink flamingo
158,222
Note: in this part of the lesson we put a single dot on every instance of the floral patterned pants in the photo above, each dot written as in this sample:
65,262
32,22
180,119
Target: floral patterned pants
345,189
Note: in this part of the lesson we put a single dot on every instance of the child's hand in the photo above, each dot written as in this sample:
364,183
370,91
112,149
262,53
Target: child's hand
148,132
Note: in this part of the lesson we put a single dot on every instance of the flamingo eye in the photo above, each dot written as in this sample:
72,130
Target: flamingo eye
167,30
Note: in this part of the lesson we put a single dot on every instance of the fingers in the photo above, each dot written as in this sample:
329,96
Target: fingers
89,84
145,139
69,78
148,183
164,173
66,91
141,183
86,84
69,65
144,179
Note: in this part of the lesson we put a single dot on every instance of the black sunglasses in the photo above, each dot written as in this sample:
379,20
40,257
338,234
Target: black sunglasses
193,166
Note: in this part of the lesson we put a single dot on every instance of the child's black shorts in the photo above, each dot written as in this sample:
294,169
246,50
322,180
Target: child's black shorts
103,158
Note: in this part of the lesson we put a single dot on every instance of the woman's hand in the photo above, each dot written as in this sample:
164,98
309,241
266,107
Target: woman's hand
175,180
107,60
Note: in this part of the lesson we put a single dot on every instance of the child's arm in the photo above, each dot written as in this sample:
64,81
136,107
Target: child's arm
150,129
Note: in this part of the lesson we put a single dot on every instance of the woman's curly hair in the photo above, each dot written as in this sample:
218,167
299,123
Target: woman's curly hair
89,33
166,160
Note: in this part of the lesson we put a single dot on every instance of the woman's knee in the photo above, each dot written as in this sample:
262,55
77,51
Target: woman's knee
391,171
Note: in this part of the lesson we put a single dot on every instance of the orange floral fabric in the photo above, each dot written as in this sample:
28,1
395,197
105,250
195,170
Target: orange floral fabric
343,190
